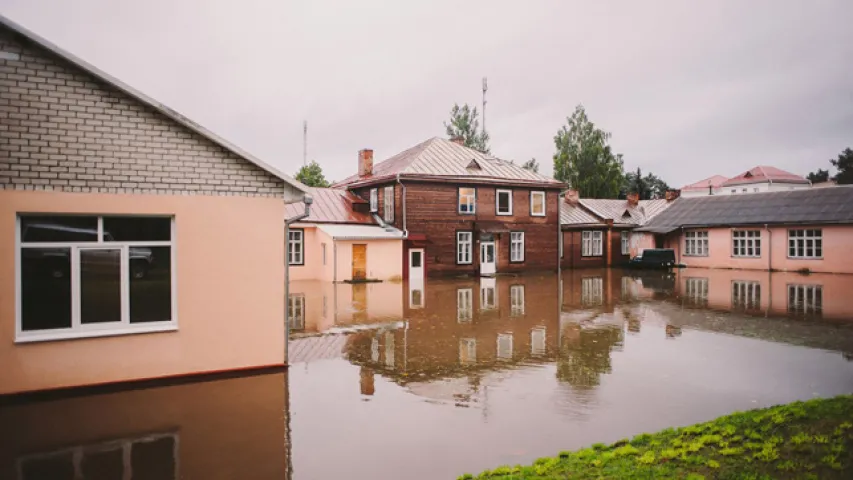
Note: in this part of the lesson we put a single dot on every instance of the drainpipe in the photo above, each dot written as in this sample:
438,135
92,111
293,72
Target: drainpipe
559,235
307,200
335,259
769,270
680,245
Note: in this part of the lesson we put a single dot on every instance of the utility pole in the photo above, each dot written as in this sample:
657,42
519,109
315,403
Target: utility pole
485,88
305,143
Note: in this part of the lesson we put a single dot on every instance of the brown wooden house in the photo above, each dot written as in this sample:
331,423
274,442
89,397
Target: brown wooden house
464,212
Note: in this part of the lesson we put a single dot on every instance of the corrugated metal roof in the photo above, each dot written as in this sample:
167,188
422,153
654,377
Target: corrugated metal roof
360,232
331,205
621,212
576,215
761,174
714,181
439,157
805,206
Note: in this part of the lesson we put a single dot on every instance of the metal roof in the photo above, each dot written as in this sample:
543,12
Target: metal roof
762,174
577,215
141,97
439,158
360,232
331,205
620,211
714,182
804,206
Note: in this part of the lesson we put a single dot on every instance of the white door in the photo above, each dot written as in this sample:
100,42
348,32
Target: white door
487,258
416,266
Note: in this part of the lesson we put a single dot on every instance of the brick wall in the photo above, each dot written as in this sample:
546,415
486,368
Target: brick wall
63,129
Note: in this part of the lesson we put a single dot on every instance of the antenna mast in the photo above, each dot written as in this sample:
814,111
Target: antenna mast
305,143
485,88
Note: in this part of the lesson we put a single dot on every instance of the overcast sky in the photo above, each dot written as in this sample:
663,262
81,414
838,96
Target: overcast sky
688,90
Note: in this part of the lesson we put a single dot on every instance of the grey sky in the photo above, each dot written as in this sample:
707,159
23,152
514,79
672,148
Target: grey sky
687,89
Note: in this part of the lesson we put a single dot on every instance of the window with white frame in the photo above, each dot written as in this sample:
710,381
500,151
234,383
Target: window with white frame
388,204
389,349
467,200
88,275
592,291
374,200
696,244
626,242
592,243
697,291
467,351
746,295
537,204
516,300
504,346
416,298
488,297
464,305
296,246
805,299
516,246
746,243
296,311
537,341
503,202
464,247
807,243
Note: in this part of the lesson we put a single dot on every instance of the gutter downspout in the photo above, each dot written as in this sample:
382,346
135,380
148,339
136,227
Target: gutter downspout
308,200
769,269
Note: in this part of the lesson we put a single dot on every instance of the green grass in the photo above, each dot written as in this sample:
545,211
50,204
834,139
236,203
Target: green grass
812,439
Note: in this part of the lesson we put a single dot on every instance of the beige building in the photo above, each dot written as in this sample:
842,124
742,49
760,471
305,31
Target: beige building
134,244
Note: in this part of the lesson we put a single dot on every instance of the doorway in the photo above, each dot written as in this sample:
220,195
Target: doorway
487,258
416,266
359,261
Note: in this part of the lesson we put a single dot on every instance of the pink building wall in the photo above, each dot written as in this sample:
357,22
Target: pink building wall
329,304
384,258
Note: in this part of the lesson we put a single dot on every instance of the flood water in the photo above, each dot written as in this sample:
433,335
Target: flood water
431,381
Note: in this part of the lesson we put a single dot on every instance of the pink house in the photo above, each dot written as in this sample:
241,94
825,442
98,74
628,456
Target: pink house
797,230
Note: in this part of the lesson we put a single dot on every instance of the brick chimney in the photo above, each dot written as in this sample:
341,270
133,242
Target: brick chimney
365,162
671,195
633,199
572,197
458,140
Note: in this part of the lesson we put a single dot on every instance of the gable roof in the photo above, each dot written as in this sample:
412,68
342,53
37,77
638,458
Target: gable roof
762,174
577,215
805,206
439,158
714,181
150,102
331,205
615,210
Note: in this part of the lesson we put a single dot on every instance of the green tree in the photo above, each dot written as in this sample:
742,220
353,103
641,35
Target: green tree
312,175
648,187
819,176
585,161
655,186
531,165
464,123
844,164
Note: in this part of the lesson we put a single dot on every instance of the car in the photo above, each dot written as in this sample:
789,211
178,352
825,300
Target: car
654,258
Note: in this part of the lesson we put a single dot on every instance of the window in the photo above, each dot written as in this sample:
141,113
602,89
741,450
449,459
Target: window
464,305
746,243
82,276
296,247
488,297
696,244
389,349
626,244
734,191
516,246
416,298
755,189
537,204
805,243
743,190
805,299
464,247
296,311
697,291
592,291
503,205
388,204
537,341
591,243
516,300
746,295
504,346
467,351
467,200
374,200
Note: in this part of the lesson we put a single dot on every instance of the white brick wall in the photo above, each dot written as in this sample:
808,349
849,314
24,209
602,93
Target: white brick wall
62,129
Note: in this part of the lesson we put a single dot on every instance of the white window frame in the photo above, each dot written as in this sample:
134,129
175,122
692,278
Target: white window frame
807,299
464,248
464,305
746,295
516,247
746,243
516,300
696,290
467,199
498,194
626,242
291,252
537,195
538,341
374,200
388,204
105,329
696,243
296,311
592,243
592,291
805,239
487,301
467,351
502,353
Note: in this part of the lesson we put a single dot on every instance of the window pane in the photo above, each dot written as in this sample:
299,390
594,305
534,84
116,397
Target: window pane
503,202
100,285
45,288
150,273
416,259
137,229
55,467
103,465
59,229
153,460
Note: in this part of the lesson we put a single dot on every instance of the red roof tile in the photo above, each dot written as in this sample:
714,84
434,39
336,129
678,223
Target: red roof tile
761,174
331,205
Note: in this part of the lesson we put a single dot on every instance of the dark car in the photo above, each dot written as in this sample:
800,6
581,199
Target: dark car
654,258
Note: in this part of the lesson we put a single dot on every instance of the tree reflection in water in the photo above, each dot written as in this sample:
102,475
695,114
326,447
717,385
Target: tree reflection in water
584,358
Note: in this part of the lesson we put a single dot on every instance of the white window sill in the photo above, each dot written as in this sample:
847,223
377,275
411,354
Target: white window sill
49,336
504,214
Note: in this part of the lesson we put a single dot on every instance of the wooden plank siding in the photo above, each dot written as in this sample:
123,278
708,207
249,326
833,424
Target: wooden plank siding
573,254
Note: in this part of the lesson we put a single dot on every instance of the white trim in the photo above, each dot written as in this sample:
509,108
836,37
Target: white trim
592,243
502,355
388,207
512,251
498,193
745,240
472,198
696,243
516,300
464,256
537,193
66,334
464,305
374,200
806,239
625,238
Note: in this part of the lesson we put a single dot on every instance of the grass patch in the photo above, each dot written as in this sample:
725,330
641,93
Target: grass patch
812,439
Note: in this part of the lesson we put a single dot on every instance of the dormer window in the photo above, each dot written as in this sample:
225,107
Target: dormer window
374,200
474,165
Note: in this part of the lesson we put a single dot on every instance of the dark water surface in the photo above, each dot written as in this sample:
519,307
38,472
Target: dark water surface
392,381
